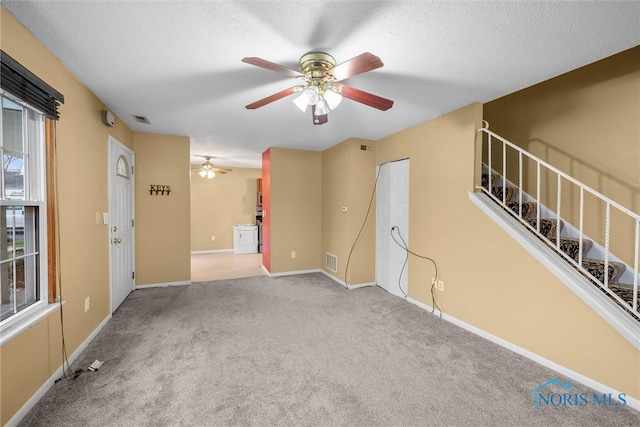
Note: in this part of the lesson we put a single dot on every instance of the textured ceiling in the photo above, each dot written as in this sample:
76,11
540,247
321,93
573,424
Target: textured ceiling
178,63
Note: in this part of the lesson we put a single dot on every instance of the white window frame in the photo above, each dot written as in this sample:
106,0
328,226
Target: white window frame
35,195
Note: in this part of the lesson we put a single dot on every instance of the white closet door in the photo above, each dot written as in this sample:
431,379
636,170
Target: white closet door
392,210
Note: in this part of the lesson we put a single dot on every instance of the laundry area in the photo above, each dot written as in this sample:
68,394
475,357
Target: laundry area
245,239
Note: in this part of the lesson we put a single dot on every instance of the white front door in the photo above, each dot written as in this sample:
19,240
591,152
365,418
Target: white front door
121,237
392,212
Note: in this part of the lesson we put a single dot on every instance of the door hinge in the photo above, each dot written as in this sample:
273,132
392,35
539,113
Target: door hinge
133,222
131,169
133,274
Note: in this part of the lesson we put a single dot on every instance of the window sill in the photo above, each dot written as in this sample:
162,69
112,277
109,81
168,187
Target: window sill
28,321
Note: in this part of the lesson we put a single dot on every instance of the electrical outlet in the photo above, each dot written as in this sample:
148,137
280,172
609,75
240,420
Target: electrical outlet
441,285
213,238
293,254
87,304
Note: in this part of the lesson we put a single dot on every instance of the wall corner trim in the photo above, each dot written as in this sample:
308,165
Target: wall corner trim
342,282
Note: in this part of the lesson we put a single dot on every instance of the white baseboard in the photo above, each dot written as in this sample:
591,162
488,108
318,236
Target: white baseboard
292,273
163,285
343,283
602,388
212,251
362,285
52,379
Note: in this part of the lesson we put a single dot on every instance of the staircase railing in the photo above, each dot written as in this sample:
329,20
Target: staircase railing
534,174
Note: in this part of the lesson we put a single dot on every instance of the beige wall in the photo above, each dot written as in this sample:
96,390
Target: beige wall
219,203
484,288
585,123
295,209
163,235
348,178
504,290
84,245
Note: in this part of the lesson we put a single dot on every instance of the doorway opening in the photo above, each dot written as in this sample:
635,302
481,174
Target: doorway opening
225,265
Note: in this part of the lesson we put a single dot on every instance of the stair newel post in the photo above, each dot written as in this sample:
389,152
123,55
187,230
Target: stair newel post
558,205
607,232
581,236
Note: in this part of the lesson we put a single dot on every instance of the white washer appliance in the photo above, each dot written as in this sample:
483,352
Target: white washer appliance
245,239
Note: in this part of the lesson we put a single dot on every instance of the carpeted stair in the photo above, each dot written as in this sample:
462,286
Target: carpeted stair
551,228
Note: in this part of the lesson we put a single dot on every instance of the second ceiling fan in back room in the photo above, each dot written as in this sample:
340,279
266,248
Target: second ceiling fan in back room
321,89
208,170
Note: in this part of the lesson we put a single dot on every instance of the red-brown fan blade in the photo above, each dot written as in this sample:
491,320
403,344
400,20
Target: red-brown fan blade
318,120
274,97
358,65
366,98
258,62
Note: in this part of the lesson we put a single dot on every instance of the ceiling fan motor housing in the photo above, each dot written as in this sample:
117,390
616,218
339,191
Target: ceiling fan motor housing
315,64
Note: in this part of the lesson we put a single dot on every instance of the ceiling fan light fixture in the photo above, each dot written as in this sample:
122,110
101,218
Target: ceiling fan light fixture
311,93
206,171
332,98
301,101
309,96
321,108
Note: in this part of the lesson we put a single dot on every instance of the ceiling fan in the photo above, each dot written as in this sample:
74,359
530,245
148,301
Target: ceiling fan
321,89
208,170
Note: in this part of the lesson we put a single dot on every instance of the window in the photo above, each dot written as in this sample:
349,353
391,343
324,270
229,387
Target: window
23,217
122,168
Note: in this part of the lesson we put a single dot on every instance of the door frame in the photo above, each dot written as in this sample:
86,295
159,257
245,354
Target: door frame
111,141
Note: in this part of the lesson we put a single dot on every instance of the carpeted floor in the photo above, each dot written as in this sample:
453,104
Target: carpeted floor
299,351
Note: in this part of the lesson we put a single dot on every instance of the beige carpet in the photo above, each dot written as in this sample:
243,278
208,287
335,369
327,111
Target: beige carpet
225,265
301,351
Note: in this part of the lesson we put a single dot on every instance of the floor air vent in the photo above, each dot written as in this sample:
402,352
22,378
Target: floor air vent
332,262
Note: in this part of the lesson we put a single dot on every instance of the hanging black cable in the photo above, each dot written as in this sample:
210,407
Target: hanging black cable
406,258
67,373
406,248
373,193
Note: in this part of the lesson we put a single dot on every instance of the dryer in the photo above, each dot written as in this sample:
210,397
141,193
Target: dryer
245,239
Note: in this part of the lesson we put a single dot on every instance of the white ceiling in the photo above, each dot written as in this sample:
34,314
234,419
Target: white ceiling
178,63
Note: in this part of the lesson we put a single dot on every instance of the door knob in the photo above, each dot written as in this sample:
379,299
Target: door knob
117,240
